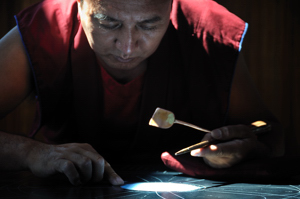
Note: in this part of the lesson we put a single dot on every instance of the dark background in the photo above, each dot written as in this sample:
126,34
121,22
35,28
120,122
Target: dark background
271,49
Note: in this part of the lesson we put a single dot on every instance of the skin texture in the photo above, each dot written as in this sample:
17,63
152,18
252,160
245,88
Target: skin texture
13,66
225,154
122,45
123,34
79,162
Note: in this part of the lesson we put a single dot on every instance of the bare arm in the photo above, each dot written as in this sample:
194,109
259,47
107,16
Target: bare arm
79,162
15,74
15,81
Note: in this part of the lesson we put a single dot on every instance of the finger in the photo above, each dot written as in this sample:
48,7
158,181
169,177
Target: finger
101,167
84,166
112,176
208,137
222,150
212,150
199,152
196,152
225,149
232,132
97,166
67,168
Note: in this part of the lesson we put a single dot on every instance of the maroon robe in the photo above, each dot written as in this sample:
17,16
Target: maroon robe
190,74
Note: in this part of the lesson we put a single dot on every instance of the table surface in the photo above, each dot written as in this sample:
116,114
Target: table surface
26,185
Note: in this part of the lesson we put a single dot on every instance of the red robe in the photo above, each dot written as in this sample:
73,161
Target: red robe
190,74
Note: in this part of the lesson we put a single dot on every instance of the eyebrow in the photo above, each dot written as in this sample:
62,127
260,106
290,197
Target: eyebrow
152,20
108,18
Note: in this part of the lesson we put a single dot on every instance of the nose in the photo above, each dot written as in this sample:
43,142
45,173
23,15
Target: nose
127,42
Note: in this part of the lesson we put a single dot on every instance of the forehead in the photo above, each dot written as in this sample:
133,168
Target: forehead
129,5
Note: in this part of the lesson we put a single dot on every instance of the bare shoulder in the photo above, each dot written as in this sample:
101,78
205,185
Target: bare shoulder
15,73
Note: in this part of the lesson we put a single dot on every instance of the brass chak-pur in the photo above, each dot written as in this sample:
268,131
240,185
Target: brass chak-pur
165,119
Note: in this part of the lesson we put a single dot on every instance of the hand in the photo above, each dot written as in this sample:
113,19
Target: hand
237,142
79,162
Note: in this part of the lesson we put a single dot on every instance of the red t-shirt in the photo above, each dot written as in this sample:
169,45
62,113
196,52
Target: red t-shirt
121,107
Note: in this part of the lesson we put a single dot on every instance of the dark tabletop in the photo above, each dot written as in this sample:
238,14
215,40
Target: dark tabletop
26,185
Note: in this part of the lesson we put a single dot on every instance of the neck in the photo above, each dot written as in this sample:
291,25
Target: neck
125,75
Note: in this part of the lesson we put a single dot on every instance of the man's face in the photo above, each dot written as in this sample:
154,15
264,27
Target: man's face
124,33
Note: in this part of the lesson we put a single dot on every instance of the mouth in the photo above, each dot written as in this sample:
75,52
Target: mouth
120,59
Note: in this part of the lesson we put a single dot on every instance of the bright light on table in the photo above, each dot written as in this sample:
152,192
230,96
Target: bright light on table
160,187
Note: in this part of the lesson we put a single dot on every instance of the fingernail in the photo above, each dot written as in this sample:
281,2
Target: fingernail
213,147
216,134
118,181
196,153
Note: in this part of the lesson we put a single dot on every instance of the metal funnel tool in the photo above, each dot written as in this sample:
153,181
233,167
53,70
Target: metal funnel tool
165,119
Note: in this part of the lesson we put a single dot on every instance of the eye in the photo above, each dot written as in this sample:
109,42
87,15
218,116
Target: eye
147,27
110,26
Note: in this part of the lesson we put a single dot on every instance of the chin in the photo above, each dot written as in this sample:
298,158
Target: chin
123,65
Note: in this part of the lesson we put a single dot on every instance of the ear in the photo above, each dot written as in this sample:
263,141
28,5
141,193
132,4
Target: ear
79,2
79,6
